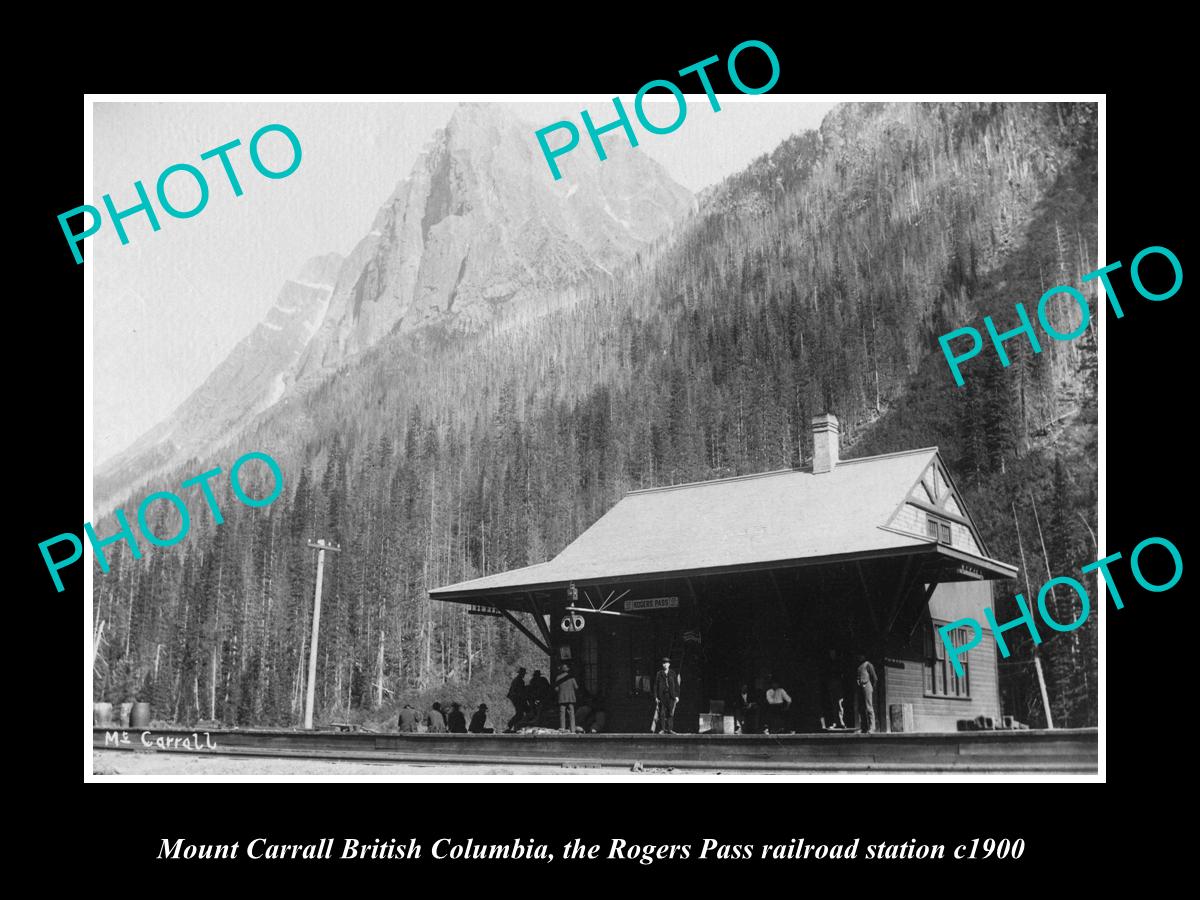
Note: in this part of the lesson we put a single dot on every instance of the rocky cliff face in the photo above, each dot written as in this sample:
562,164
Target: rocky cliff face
477,226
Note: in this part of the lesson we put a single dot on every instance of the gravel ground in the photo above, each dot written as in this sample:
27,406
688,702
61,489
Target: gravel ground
183,765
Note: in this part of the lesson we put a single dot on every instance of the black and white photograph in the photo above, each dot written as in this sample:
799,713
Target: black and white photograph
456,438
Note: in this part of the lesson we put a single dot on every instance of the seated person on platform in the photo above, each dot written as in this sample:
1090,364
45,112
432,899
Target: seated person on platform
437,720
408,718
457,722
584,709
590,716
746,708
479,721
599,716
583,716
778,704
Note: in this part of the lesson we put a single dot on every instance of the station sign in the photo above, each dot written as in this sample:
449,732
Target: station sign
651,603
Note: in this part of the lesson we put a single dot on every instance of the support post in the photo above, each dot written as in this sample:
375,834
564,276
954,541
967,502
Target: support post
866,594
930,587
545,648
904,588
536,609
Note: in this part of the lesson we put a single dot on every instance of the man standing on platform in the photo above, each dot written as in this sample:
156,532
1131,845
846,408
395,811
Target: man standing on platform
865,683
537,695
516,696
666,696
564,686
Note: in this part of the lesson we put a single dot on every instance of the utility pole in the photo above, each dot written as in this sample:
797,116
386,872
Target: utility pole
320,546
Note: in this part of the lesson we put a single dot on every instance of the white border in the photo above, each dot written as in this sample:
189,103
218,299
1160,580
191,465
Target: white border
600,775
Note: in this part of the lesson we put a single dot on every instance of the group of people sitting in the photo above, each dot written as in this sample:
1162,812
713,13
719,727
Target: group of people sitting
763,712
533,707
757,711
533,703
439,719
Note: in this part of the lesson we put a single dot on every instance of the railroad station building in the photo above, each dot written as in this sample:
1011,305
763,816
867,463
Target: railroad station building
784,575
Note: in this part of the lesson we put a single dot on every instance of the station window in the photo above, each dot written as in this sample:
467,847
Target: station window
938,529
940,678
589,662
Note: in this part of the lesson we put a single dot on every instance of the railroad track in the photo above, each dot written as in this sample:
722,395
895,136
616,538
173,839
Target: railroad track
1063,750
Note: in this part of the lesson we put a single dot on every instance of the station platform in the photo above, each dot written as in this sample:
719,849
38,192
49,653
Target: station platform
1060,750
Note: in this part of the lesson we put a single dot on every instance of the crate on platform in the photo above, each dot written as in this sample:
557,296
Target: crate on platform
900,717
710,723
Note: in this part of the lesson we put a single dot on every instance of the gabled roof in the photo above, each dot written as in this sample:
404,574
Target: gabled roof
743,522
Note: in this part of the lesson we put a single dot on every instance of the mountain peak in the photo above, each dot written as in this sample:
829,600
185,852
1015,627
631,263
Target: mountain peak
475,112
476,227
485,128
479,224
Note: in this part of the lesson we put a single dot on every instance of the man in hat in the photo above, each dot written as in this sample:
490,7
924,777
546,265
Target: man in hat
666,696
479,721
517,695
539,693
565,685
456,721
746,710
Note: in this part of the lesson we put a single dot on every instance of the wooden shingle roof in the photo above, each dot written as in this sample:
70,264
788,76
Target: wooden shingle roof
749,521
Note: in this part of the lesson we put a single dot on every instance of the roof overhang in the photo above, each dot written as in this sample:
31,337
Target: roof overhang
962,566
940,563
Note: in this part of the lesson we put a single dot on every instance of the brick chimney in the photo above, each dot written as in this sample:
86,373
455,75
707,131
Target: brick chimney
825,443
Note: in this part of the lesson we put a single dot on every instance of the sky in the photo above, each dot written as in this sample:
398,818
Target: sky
170,305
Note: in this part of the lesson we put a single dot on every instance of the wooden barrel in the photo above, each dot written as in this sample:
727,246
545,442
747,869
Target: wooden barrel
102,714
140,716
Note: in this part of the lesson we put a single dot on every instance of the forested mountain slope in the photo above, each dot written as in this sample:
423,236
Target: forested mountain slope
817,280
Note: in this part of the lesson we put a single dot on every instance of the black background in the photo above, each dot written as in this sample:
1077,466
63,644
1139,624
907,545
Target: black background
1150,694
